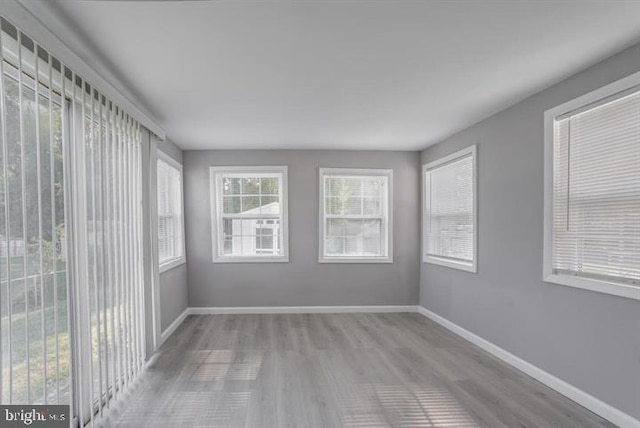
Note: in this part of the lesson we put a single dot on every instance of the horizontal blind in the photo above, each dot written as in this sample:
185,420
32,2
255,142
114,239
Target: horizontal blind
355,215
596,191
169,212
164,212
449,210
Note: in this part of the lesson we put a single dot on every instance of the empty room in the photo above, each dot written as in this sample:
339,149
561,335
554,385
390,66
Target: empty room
319,213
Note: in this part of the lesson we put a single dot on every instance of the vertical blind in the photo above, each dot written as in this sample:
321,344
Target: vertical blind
71,195
449,193
108,244
355,215
169,212
596,190
34,334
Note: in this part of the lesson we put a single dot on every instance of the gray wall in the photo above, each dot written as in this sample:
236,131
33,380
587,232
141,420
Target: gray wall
590,340
174,292
303,281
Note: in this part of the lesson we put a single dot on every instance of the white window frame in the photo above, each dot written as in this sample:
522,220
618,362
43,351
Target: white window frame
176,261
441,261
599,285
216,213
322,258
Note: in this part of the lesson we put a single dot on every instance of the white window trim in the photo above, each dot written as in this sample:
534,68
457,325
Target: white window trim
176,261
216,211
601,286
468,267
356,259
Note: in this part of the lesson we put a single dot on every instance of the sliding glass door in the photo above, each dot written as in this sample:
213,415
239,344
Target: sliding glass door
71,244
33,258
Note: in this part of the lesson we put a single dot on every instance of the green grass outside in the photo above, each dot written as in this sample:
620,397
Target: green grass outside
36,360
35,339
21,371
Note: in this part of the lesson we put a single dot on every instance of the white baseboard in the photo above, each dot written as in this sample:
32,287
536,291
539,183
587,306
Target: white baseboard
592,403
280,310
301,309
173,326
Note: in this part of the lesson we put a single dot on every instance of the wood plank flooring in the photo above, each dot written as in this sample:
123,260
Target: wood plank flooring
335,370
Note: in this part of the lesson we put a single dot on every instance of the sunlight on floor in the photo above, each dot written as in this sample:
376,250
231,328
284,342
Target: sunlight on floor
226,365
190,409
405,406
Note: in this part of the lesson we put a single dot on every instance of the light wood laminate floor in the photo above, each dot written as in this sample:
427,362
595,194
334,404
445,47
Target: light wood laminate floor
335,370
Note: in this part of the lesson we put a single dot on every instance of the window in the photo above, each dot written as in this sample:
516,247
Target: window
355,215
592,190
450,211
249,214
170,220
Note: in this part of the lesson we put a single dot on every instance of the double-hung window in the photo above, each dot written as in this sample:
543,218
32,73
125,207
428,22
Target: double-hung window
249,214
450,211
592,190
170,218
355,215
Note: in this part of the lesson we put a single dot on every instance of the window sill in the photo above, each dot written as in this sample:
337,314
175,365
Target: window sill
279,259
171,264
606,287
467,267
365,260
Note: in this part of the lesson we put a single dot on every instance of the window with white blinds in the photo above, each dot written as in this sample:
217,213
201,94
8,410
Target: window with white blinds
170,218
450,211
71,302
249,214
594,191
355,215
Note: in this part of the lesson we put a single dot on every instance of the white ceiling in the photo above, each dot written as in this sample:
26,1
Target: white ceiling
390,75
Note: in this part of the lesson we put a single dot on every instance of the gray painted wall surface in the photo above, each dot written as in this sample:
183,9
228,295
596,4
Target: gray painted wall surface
588,339
174,292
303,281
